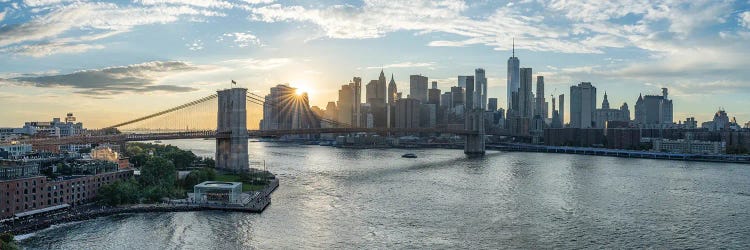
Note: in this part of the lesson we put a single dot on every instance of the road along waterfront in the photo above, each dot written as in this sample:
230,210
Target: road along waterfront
373,198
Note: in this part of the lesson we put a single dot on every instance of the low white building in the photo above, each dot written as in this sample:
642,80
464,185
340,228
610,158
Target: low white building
217,192
689,146
16,150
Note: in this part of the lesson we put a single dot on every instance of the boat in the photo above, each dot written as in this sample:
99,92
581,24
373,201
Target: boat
409,155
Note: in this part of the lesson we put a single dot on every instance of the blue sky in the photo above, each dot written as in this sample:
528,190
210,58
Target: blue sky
108,61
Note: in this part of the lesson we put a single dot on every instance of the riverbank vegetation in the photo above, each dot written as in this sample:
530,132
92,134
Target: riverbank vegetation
139,153
8,242
158,165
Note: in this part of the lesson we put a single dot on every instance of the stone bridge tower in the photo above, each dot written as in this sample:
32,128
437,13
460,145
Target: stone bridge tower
231,130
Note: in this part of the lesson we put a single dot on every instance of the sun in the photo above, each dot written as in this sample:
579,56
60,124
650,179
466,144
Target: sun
302,86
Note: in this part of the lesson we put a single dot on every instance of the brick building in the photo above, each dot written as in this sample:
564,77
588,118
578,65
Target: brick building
31,192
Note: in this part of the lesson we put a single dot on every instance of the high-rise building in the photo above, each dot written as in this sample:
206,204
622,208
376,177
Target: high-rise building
285,109
457,96
418,87
381,87
356,85
540,108
492,104
514,83
433,96
446,99
654,109
605,114
525,96
582,105
470,93
392,91
561,99
371,91
480,87
434,85
346,104
407,113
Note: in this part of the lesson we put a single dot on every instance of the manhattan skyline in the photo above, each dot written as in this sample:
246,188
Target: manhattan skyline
104,60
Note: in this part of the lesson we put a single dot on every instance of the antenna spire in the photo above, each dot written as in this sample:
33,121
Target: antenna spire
514,47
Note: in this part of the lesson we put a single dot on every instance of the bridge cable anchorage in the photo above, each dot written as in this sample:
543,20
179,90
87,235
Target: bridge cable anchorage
259,100
164,112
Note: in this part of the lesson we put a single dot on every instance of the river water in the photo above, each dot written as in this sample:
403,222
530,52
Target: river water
350,198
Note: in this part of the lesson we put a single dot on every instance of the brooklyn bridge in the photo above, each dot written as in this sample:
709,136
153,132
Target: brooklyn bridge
229,109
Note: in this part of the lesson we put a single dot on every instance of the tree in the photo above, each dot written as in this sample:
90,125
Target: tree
158,176
119,192
84,150
7,241
198,176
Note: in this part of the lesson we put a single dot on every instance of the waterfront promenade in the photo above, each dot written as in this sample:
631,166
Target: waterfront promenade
619,153
30,225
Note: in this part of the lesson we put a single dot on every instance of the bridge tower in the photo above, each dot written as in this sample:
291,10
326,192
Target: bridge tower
231,130
474,144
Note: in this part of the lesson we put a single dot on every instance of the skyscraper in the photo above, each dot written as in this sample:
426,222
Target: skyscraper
606,114
561,99
582,105
433,94
654,109
407,113
370,91
457,96
392,91
525,95
514,83
346,104
381,90
492,104
540,108
356,85
470,95
480,88
418,87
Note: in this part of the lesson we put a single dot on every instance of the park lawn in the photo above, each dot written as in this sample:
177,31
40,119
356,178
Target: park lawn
236,178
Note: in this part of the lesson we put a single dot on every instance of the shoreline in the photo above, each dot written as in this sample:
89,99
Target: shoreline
31,225
621,153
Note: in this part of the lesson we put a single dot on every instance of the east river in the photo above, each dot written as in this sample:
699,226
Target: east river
353,198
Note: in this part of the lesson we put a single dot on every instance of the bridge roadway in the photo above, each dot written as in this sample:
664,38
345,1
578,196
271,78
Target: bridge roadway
125,137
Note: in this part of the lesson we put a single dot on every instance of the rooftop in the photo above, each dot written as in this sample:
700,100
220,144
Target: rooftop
218,184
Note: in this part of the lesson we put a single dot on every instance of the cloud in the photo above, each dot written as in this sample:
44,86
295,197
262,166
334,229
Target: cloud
136,78
257,64
100,19
2,15
197,3
745,19
195,45
404,65
242,39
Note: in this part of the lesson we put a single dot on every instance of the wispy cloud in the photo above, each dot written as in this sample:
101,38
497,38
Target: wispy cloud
242,39
136,78
257,64
100,19
404,65
745,19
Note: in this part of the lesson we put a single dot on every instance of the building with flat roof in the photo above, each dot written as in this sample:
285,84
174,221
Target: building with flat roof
217,192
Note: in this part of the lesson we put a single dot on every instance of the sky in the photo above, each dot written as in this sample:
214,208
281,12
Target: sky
109,61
